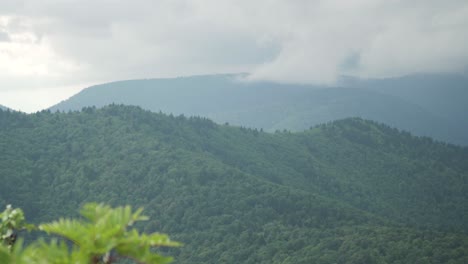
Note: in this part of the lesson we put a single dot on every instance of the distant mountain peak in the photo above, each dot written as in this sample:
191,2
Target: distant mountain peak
419,104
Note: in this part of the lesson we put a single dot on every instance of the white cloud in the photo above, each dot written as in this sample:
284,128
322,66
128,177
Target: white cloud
55,44
33,100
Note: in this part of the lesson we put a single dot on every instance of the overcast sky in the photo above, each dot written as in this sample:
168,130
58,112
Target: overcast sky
50,49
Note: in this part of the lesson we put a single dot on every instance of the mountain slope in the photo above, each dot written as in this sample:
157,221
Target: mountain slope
270,106
444,95
4,108
352,191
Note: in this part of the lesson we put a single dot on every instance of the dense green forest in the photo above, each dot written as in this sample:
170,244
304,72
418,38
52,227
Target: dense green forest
350,191
433,105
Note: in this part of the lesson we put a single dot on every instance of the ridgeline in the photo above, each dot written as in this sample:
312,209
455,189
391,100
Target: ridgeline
350,191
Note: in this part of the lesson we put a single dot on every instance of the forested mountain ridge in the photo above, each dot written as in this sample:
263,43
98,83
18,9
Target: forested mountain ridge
350,191
276,106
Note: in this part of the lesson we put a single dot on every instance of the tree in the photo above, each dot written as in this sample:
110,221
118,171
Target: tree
103,235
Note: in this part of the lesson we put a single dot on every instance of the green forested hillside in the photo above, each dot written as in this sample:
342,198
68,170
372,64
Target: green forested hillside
350,191
275,106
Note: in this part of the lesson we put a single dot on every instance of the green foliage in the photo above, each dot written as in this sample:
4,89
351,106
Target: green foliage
101,236
12,221
236,195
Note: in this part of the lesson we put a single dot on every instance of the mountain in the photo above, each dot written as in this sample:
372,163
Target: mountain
443,95
271,106
350,191
4,108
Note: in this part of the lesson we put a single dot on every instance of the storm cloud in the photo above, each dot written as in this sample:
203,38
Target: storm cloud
55,44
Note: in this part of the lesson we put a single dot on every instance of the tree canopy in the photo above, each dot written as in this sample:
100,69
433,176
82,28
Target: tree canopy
350,191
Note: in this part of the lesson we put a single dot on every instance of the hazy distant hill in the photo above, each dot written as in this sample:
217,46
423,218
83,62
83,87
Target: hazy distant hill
4,107
444,95
351,191
274,106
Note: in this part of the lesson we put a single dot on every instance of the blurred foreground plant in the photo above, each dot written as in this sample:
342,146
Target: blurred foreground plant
103,235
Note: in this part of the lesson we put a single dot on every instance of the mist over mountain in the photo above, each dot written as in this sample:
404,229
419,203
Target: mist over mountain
409,103
444,95
351,191
4,107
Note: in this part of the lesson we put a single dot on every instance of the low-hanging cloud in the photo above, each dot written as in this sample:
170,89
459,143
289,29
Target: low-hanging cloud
60,43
